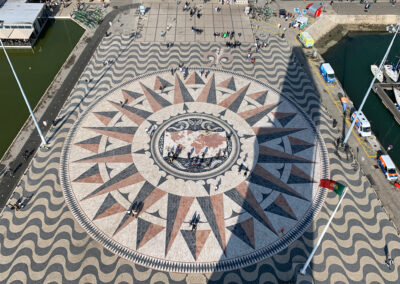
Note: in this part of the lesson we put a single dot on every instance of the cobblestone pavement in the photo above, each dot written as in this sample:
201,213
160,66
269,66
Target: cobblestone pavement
42,242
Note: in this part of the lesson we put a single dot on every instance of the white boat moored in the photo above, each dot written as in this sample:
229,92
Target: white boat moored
374,69
391,72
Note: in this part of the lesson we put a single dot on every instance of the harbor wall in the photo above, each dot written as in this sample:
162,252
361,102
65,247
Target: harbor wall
327,24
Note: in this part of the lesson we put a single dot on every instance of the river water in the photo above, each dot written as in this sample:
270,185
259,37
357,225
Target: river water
351,59
36,69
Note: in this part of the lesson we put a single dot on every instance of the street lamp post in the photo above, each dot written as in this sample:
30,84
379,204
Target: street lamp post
372,83
23,95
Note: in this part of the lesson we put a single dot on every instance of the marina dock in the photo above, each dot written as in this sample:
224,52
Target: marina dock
379,89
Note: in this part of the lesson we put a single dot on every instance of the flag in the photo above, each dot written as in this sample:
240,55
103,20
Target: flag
332,185
344,103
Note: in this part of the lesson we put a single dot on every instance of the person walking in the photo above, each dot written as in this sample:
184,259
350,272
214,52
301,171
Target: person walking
389,262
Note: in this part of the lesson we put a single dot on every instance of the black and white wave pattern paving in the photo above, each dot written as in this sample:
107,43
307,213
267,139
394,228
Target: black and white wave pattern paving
43,243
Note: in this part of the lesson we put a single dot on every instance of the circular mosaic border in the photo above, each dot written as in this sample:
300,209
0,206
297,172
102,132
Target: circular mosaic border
175,266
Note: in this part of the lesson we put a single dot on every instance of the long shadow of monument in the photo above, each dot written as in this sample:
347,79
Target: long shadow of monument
275,232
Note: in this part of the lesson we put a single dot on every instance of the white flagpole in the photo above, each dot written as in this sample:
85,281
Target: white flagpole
25,98
303,270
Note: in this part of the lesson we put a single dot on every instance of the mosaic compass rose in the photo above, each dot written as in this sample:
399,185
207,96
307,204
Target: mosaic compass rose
226,150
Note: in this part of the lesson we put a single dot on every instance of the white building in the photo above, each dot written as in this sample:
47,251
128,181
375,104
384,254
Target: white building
20,21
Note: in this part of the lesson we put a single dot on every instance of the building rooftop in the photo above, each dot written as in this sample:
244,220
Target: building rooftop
20,13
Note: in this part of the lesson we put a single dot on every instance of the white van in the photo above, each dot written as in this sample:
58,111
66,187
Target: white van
362,124
388,168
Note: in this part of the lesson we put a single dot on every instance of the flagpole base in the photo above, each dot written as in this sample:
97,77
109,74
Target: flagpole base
303,278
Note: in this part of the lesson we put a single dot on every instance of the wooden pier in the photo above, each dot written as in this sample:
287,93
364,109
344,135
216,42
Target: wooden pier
379,89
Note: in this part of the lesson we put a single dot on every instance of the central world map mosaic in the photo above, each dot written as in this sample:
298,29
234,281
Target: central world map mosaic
162,152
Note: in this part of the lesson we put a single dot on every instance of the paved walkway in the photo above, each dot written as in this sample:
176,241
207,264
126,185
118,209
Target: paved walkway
177,23
43,242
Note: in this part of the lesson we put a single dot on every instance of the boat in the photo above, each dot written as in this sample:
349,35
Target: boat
391,72
396,91
374,69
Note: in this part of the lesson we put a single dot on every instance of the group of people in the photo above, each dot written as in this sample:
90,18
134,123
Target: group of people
135,209
197,30
228,34
173,155
17,205
234,44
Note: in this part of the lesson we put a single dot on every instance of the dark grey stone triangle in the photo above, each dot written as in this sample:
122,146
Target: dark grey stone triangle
109,114
197,79
207,187
274,135
222,113
238,101
90,172
261,99
280,170
238,231
141,151
156,214
299,148
263,158
142,228
162,180
172,210
295,179
109,170
164,82
231,85
212,93
238,199
273,208
265,196
114,152
124,219
163,102
285,120
137,111
144,192
205,204
133,94
190,238
185,93
119,120
245,136
234,214
108,143
125,195
256,179
123,129
107,203
130,170
93,140
255,118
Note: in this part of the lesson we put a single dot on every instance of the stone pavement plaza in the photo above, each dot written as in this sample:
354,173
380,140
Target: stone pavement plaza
224,150
170,18
252,228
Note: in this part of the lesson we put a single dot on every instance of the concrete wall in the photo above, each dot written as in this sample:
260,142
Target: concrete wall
326,23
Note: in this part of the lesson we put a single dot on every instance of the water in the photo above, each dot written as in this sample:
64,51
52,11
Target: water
351,59
35,69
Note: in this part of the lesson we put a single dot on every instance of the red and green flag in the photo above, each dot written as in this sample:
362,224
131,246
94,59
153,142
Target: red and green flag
332,185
